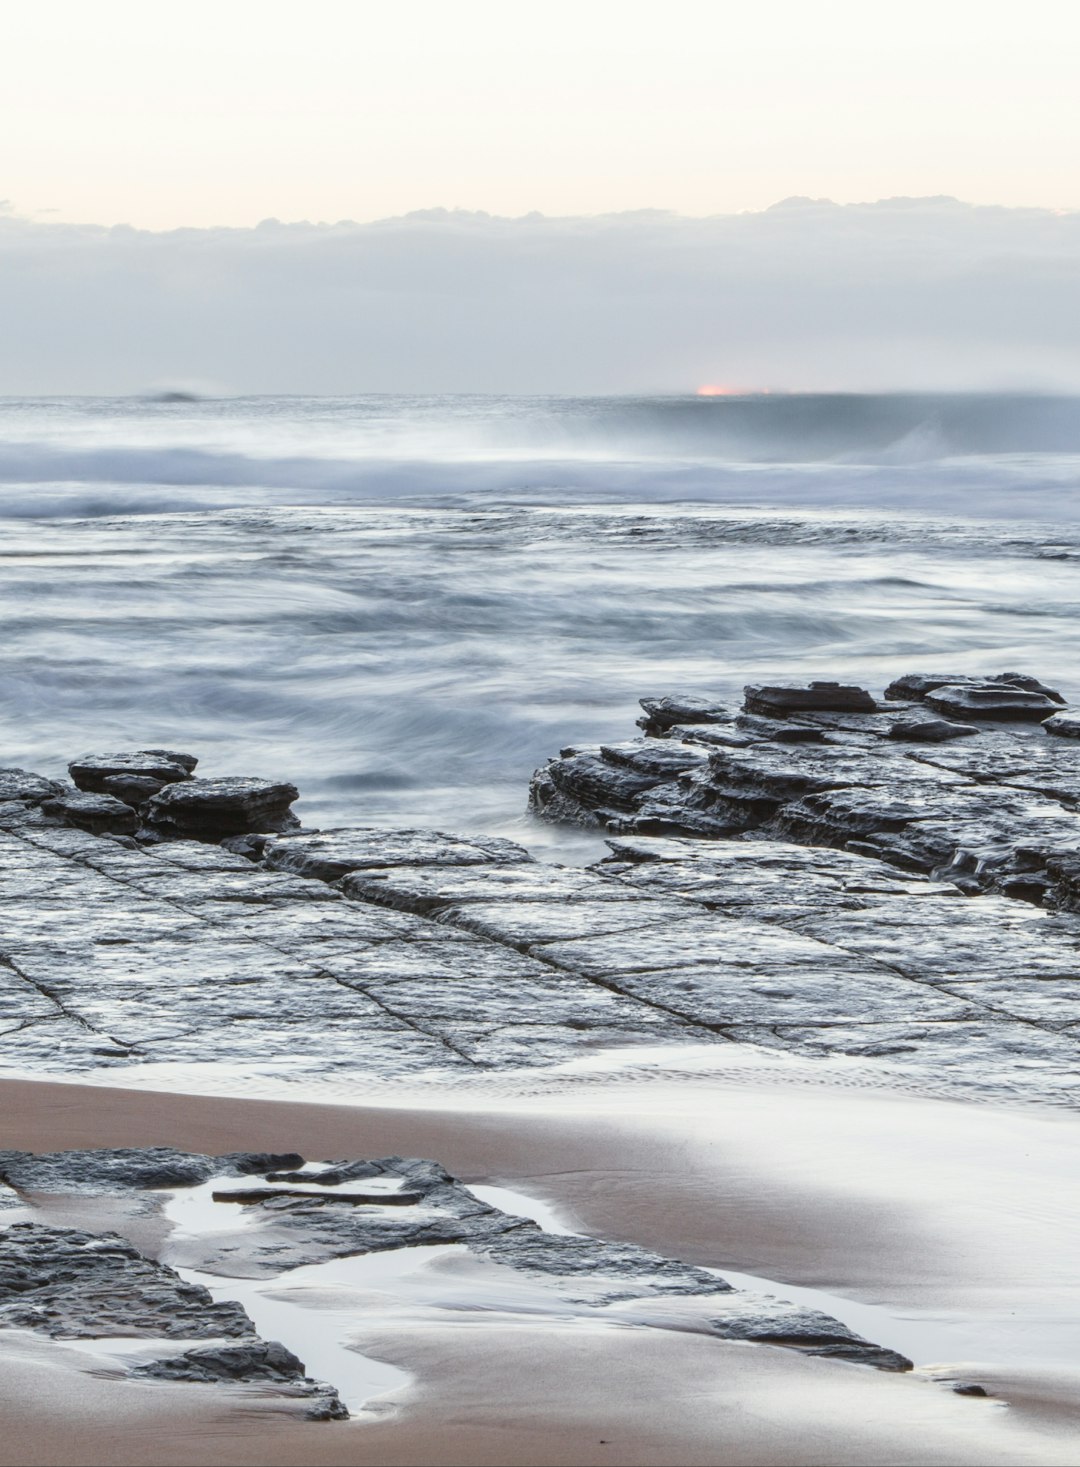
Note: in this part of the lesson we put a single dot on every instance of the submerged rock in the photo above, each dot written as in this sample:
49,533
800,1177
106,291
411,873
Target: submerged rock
215,809
103,1285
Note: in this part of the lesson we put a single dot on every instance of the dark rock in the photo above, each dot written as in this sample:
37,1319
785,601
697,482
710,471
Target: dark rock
251,1363
133,789
130,1168
649,756
776,1322
966,1388
663,714
214,809
76,1285
92,770
999,701
929,730
778,700
98,814
779,731
251,847
916,685
1063,725
21,787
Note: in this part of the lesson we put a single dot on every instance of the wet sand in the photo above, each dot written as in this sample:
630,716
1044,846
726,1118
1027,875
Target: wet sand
953,1218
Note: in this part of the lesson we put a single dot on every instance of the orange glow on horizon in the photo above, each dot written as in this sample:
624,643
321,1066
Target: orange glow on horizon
720,389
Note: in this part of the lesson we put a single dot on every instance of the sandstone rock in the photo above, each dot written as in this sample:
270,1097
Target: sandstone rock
162,765
214,809
929,730
778,700
148,1168
999,701
98,814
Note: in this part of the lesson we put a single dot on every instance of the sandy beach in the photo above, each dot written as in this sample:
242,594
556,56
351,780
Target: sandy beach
950,1221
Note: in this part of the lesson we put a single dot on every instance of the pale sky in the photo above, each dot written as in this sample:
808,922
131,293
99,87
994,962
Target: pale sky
211,112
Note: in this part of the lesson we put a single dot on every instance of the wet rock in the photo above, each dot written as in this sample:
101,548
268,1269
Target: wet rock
331,854
998,701
929,730
72,1284
98,814
1063,725
148,1168
91,772
916,685
215,809
780,731
113,1289
775,1322
966,1388
663,714
20,787
251,1363
778,700
133,789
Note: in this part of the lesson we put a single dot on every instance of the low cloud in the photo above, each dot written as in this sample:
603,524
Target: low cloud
904,294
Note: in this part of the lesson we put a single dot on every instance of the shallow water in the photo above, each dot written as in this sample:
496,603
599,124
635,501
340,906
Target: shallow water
406,605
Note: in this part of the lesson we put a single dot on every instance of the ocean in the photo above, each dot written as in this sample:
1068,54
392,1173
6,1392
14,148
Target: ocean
406,604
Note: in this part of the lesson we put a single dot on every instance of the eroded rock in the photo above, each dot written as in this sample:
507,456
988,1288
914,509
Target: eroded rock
92,771
215,809
99,814
780,699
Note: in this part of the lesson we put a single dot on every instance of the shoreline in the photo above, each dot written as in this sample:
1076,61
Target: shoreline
913,1205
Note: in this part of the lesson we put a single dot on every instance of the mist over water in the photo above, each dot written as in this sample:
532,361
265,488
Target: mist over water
405,605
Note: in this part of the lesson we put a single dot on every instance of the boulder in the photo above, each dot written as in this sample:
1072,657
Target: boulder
98,814
994,700
215,809
163,765
780,699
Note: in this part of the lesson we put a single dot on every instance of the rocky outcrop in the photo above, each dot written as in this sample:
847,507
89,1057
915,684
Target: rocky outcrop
817,697
215,809
994,812
99,814
72,1284
100,773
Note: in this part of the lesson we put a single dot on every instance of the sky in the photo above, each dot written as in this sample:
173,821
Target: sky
219,112
347,196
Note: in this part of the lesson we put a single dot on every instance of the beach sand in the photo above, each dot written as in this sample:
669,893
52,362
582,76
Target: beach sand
950,1220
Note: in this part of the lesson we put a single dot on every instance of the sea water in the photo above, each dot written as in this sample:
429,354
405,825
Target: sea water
406,604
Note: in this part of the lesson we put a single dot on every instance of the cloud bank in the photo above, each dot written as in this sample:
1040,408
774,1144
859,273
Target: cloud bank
807,295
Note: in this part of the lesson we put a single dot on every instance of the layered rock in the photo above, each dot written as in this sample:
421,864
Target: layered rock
82,1285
